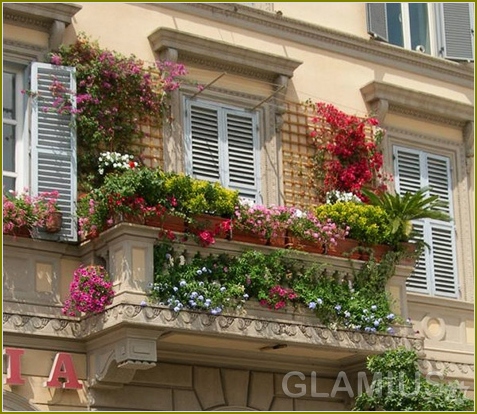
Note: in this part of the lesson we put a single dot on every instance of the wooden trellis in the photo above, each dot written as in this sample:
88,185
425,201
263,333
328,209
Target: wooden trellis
297,153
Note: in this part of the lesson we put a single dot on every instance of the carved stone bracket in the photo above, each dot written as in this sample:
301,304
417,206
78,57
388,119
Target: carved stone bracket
468,134
115,364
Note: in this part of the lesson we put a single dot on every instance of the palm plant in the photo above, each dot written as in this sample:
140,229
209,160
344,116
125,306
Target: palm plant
402,208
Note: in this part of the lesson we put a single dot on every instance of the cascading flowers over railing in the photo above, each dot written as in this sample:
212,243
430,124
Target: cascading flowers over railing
348,155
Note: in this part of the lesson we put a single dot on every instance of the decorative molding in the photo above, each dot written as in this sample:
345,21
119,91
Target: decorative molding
222,55
39,16
20,52
311,35
414,104
232,325
447,369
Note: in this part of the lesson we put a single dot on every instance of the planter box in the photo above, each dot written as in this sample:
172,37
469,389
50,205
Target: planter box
305,245
345,248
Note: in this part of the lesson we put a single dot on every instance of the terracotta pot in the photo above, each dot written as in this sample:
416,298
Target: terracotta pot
305,245
211,223
345,248
173,223
410,249
247,237
277,241
53,222
380,250
22,231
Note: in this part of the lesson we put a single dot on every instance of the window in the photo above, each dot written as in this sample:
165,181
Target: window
438,29
436,272
222,145
12,129
45,160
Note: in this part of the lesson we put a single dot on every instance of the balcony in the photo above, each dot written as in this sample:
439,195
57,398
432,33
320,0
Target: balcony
132,335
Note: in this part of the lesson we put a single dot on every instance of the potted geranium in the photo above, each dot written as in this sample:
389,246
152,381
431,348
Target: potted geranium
90,291
23,212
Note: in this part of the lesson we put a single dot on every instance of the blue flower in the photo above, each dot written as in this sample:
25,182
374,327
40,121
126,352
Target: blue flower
200,297
312,305
182,283
347,314
204,269
201,284
376,323
391,316
193,295
374,308
245,296
199,272
143,303
223,289
367,329
177,309
192,303
390,331
337,308
319,301
365,311
175,288
168,256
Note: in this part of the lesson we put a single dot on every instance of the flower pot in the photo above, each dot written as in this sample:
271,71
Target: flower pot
277,241
219,226
22,231
305,245
247,237
173,223
345,248
380,250
410,250
53,222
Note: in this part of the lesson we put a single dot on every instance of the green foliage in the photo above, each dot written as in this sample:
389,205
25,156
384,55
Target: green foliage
401,209
115,95
398,385
276,280
367,224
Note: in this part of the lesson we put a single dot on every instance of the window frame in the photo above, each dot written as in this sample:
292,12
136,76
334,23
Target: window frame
222,110
21,156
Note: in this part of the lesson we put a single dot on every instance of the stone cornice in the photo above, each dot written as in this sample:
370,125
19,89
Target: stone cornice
416,104
39,16
222,55
230,325
292,30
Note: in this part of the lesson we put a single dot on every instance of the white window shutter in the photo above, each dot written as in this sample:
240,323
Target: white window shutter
222,145
203,140
242,150
53,145
436,271
455,30
377,21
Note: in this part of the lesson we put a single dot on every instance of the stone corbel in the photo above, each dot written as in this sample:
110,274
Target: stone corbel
115,364
57,30
380,108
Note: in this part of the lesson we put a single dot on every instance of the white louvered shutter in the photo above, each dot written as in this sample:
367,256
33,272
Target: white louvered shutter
222,145
376,17
455,30
436,271
242,151
53,145
204,142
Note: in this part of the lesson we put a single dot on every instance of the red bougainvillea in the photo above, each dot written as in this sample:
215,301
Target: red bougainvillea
348,155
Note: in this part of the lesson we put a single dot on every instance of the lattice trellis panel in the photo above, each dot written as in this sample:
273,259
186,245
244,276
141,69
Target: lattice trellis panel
297,153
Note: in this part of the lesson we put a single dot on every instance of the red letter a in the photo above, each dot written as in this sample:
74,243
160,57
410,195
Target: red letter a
63,368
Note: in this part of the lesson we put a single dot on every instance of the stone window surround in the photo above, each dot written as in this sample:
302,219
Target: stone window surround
174,45
51,18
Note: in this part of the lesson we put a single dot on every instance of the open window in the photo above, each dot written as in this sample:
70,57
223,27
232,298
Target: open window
439,29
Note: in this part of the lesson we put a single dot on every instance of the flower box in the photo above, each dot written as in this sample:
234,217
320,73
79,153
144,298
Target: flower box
305,245
345,248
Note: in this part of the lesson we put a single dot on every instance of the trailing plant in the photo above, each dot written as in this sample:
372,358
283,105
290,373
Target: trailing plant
278,281
348,155
22,210
398,385
115,95
90,291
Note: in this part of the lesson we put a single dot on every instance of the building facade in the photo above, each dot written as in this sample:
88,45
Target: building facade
409,64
